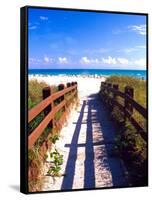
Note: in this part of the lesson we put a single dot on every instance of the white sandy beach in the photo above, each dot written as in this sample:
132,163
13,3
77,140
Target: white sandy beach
86,84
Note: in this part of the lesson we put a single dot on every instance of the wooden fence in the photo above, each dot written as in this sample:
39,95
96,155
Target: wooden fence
110,94
51,104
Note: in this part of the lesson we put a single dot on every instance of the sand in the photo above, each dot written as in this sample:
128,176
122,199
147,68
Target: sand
86,84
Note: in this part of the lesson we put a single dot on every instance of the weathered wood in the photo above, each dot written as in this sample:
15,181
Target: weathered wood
121,107
68,84
49,111
109,85
40,128
46,93
138,127
129,91
129,104
32,113
138,107
61,87
117,92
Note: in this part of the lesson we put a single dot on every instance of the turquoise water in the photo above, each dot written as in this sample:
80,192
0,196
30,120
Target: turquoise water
104,72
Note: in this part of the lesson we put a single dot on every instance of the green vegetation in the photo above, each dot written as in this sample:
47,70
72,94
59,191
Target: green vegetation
54,138
34,97
128,142
35,92
140,95
57,161
138,85
59,114
35,170
43,136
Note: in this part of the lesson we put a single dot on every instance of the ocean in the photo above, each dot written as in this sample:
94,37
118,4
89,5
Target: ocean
104,72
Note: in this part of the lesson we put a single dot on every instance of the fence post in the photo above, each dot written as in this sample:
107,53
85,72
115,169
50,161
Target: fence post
108,95
61,87
68,84
105,88
46,93
129,91
72,83
115,87
76,83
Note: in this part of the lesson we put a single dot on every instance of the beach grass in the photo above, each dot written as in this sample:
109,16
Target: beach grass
140,93
138,85
35,95
35,92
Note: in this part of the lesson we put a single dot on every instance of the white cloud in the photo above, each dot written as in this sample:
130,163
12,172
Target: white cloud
140,62
43,18
63,60
34,61
109,60
123,61
86,60
47,59
113,61
139,29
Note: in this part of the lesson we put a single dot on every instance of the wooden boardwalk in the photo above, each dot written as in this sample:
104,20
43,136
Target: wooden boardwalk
87,145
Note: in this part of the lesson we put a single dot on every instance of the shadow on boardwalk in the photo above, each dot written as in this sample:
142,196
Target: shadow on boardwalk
97,120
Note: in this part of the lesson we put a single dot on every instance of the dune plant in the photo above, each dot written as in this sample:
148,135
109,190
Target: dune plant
54,138
57,161
35,170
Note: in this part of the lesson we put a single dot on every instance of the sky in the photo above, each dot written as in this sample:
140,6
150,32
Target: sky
85,40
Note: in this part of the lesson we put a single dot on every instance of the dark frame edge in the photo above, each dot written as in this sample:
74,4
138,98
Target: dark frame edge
23,102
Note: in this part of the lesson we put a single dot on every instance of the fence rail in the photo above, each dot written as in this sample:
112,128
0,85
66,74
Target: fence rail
110,93
50,108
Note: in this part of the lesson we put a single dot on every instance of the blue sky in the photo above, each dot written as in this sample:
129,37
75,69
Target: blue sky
71,39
